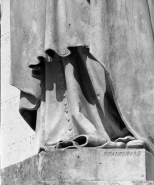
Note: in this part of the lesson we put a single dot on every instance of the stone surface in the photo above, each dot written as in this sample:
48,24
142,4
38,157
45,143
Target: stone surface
88,183
17,138
83,166
76,97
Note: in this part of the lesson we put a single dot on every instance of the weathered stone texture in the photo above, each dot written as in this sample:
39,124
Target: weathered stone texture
83,166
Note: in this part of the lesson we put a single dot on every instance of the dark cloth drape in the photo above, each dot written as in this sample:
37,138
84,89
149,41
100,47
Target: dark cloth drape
96,57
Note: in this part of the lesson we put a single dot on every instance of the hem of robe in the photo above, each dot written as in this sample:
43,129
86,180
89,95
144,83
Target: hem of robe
26,107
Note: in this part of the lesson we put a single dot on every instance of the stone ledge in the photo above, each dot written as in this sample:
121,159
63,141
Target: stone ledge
83,166
96,183
81,183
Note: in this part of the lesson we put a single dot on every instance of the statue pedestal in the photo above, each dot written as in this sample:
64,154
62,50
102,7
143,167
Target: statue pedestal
87,166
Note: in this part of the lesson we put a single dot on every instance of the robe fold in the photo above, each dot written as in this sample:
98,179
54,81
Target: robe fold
85,69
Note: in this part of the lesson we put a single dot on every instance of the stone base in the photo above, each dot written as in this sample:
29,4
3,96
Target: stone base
87,166
85,183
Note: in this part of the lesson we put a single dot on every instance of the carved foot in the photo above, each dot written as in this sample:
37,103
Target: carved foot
111,144
126,142
136,144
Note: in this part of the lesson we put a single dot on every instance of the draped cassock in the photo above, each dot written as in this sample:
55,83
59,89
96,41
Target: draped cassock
85,70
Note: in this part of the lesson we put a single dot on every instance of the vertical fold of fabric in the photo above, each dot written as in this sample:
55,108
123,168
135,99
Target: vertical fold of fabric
126,50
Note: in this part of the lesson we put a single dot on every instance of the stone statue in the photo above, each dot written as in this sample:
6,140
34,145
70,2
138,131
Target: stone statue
86,71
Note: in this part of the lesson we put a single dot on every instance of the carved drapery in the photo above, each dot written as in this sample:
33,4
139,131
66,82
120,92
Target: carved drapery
85,69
